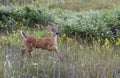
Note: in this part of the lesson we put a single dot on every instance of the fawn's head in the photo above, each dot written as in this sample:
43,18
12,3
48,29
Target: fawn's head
54,30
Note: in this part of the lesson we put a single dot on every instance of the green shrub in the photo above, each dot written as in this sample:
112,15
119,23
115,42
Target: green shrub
28,16
95,23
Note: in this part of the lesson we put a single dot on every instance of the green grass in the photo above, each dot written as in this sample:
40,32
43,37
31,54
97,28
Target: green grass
80,59
74,5
85,4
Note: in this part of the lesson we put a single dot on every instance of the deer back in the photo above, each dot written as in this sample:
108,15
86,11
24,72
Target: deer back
44,42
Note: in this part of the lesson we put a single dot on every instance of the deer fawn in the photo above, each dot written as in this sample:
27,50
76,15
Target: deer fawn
48,43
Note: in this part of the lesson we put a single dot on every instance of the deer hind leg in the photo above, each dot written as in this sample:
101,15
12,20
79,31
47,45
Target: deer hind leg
23,49
26,47
29,49
31,59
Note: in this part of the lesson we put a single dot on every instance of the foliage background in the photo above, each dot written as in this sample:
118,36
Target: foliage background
95,23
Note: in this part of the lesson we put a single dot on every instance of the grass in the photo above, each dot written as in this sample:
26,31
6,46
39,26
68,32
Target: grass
80,59
85,4
74,5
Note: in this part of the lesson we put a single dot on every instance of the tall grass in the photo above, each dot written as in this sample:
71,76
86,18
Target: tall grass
80,59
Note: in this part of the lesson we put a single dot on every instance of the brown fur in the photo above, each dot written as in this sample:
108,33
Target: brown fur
31,42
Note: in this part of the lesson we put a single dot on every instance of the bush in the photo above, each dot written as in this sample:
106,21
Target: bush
93,23
28,16
99,23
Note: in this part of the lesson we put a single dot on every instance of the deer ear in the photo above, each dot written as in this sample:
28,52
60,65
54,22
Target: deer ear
57,27
49,27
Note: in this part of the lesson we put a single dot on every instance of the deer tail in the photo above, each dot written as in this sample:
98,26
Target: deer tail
23,34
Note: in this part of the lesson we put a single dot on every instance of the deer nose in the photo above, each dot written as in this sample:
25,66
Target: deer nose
57,33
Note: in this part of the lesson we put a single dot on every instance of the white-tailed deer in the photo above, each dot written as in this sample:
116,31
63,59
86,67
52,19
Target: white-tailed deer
48,43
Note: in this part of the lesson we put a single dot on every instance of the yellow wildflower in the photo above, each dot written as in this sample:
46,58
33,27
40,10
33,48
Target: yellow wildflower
3,38
106,41
118,41
107,46
69,39
60,39
64,35
18,31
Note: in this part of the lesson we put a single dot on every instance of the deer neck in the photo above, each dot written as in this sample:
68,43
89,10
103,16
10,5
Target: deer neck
54,37
55,41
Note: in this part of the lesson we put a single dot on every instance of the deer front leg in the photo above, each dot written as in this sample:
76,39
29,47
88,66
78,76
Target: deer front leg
56,50
50,48
59,55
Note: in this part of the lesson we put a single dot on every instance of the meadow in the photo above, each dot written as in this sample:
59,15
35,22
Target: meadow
88,45
81,60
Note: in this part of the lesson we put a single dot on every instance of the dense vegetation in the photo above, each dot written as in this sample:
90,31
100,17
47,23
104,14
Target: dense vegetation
95,23
96,20
28,16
